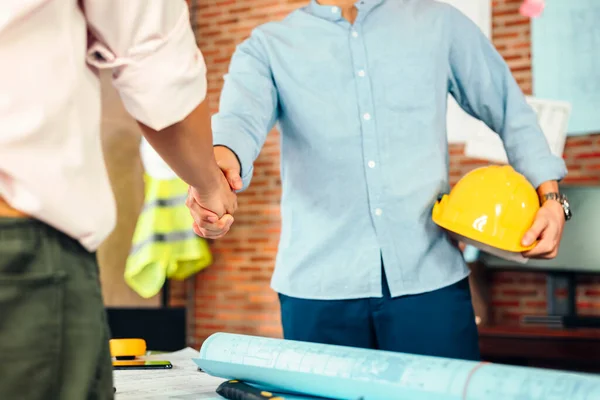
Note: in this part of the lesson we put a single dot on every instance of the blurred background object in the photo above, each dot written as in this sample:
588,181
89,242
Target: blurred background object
532,8
121,142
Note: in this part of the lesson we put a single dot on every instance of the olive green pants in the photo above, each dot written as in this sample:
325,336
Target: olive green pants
53,327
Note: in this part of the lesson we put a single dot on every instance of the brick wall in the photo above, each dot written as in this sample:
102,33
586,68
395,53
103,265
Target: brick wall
234,293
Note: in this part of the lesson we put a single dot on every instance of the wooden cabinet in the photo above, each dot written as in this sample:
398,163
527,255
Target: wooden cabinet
576,350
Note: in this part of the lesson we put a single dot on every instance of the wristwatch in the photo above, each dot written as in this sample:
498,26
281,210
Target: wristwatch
564,202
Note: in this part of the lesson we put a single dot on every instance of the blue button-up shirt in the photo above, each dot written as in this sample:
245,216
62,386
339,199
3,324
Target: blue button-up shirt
361,109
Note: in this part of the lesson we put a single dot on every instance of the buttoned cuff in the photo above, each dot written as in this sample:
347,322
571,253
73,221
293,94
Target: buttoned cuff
160,82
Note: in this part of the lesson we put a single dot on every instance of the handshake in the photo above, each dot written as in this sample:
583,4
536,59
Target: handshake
212,209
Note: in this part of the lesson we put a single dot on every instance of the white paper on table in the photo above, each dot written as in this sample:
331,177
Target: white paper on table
182,382
553,117
460,125
344,373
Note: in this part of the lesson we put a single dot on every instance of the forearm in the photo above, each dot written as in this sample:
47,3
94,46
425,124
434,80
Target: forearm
187,147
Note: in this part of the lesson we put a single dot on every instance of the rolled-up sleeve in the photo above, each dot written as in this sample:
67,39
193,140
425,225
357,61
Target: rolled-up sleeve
483,85
157,67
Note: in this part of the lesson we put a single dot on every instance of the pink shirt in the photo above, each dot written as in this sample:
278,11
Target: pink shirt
51,162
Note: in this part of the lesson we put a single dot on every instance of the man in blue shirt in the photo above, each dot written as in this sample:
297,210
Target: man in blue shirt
358,91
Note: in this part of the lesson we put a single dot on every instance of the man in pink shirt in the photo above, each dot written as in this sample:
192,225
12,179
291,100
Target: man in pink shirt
56,204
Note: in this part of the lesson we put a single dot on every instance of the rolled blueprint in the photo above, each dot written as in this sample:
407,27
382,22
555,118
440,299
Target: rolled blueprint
345,373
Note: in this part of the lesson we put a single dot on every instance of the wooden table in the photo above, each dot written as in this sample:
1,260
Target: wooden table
574,349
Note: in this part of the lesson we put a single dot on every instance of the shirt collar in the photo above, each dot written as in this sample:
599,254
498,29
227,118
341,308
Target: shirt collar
333,13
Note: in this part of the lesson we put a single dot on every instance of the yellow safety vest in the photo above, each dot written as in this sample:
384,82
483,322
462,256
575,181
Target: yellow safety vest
164,243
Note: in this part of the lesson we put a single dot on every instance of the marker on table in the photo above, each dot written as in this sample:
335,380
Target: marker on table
236,390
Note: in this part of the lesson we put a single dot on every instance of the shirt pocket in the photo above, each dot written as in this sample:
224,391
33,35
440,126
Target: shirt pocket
408,77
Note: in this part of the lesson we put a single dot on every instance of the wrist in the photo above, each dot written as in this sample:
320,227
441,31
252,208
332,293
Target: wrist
209,178
225,156
546,189
551,197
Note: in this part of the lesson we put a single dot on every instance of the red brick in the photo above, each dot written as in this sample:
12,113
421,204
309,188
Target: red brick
504,277
505,303
520,292
582,180
215,327
250,269
511,316
260,278
455,149
517,68
223,42
536,304
502,12
593,154
578,142
240,10
473,162
574,167
228,21
261,259
588,305
209,15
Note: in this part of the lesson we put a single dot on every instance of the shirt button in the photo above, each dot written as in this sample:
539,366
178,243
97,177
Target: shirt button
354,34
371,164
367,116
334,9
361,73
378,211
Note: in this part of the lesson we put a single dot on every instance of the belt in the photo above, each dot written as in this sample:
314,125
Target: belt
9,212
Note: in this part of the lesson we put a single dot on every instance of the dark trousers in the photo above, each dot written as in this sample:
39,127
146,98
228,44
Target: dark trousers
53,329
438,323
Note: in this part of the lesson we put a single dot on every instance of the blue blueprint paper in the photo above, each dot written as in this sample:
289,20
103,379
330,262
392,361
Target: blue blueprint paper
566,59
345,373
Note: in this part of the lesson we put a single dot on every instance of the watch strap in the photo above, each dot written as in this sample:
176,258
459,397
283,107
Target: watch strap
552,196
561,198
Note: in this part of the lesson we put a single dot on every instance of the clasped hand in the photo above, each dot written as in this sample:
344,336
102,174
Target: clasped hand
213,210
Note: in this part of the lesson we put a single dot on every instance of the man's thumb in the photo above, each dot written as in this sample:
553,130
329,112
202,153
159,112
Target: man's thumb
234,179
535,231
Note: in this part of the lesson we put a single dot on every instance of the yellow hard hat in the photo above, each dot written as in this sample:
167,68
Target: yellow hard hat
493,205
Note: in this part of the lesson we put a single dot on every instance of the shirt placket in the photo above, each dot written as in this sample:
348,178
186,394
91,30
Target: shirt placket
370,145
